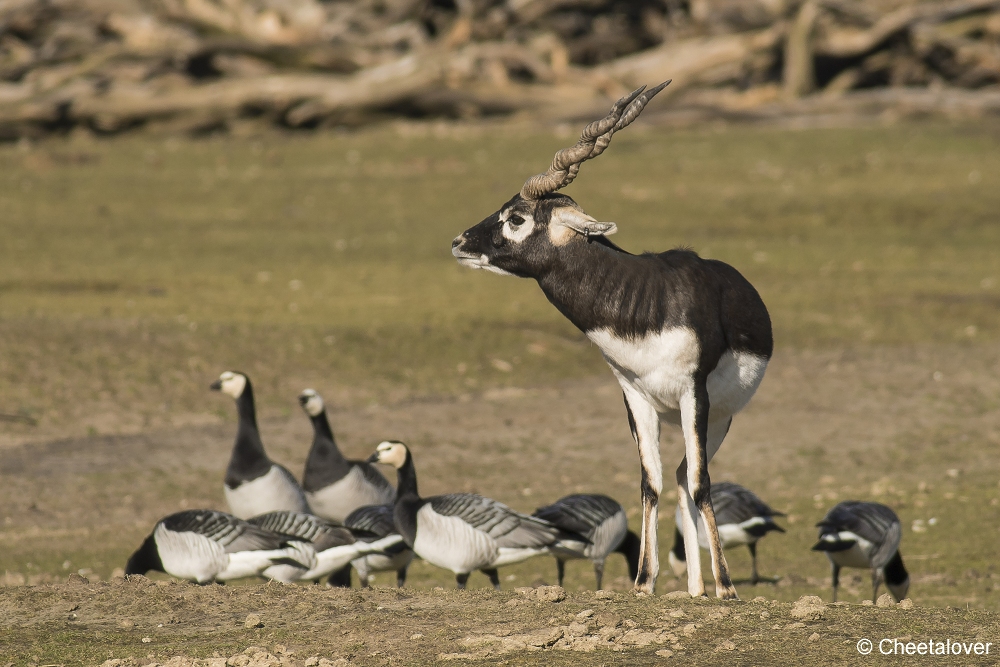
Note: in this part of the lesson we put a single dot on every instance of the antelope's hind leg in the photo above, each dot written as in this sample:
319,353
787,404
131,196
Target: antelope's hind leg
701,440
644,422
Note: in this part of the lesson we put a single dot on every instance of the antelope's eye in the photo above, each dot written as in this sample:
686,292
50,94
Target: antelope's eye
515,221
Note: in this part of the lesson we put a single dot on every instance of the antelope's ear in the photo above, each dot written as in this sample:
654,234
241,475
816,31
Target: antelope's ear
580,222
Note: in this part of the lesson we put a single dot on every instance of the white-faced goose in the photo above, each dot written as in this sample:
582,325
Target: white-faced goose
254,483
602,521
336,486
371,523
205,546
335,546
742,519
462,532
864,535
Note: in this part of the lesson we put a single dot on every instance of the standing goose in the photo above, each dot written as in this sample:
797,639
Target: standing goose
254,483
334,485
864,535
335,546
462,532
742,518
602,521
205,546
375,522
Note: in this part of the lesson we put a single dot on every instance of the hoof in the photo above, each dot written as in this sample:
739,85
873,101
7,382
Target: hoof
726,593
642,590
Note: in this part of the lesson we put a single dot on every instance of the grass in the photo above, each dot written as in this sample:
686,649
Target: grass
327,256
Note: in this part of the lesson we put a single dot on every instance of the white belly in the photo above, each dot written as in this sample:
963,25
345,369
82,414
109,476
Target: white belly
661,368
271,492
189,556
353,490
730,534
372,563
452,544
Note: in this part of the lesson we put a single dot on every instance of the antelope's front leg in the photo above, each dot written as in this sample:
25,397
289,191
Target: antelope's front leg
694,423
645,425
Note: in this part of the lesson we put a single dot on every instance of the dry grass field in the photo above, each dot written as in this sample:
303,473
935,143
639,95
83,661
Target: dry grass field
133,271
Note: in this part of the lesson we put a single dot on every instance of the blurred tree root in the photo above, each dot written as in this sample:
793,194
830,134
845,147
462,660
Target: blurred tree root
195,65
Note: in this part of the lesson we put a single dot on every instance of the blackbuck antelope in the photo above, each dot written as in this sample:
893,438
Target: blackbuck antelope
688,338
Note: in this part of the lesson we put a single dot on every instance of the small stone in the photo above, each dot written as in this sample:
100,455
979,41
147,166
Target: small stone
604,595
126,624
146,640
764,615
77,580
543,593
814,637
586,613
312,662
867,603
677,613
253,621
238,661
689,629
885,600
808,608
728,645
665,653
678,595
415,636
906,604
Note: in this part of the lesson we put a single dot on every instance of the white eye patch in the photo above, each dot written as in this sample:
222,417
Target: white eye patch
516,227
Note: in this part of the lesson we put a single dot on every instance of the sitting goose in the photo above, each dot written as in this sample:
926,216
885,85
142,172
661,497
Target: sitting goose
462,532
602,521
335,546
742,518
334,485
205,546
371,523
254,483
865,535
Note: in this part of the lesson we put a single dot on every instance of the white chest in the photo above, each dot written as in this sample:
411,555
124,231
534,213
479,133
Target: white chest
452,544
353,490
271,492
856,556
659,366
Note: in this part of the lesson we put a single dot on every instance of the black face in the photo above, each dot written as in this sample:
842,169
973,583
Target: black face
518,240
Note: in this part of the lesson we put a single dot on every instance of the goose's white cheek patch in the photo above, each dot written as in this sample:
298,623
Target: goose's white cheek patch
517,233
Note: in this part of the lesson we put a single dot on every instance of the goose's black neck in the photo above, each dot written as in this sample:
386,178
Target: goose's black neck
145,558
408,501
325,463
631,549
895,573
249,460
406,480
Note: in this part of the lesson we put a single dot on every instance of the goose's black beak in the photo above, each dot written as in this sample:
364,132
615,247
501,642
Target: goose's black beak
216,386
373,458
303,399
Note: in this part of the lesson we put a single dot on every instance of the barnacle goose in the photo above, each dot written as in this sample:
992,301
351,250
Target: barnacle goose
742,518
864,535
205,546
254,483
602,521
462,532
334,485
335,546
